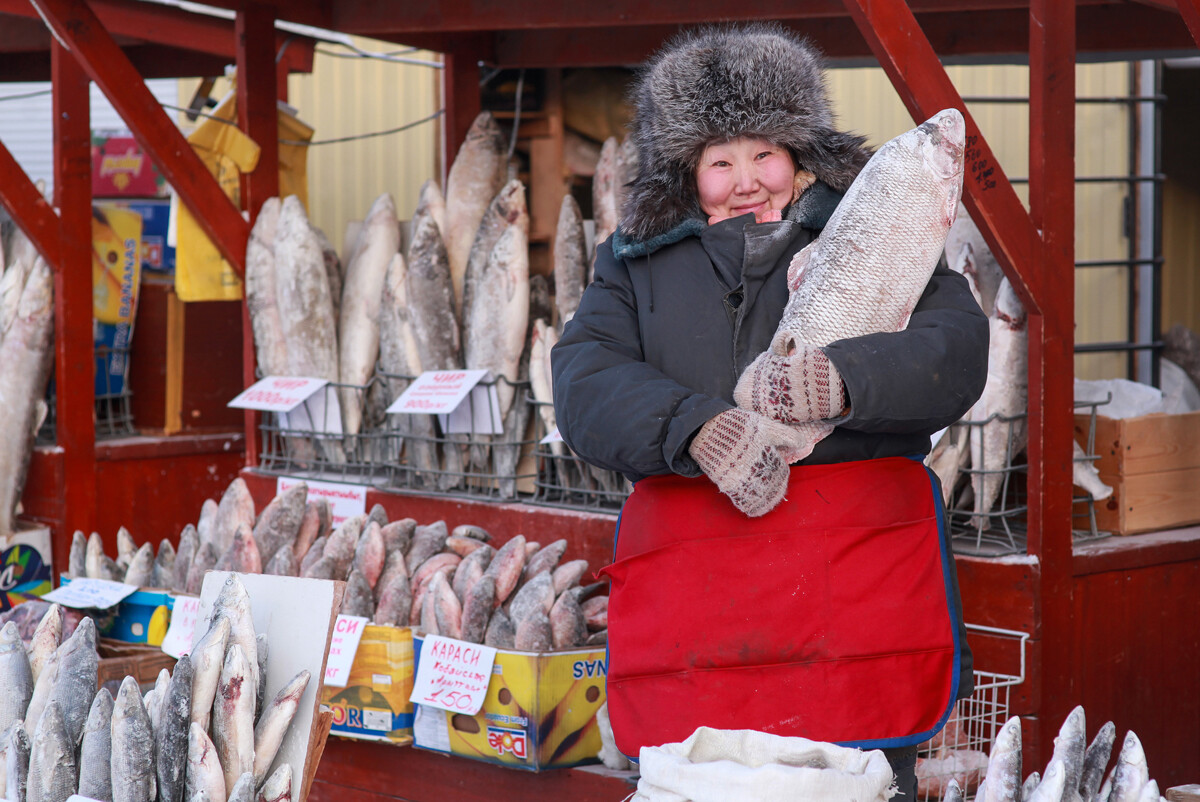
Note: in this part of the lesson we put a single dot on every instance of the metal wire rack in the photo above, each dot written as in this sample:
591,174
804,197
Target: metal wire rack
428,459
310,440
1003,528
113,402
564,480
961,749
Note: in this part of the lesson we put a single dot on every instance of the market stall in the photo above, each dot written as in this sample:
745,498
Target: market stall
1137,666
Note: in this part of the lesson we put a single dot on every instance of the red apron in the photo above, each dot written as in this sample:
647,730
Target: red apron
828,618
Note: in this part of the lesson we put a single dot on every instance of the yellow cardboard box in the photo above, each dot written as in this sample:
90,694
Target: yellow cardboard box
374,704
539,713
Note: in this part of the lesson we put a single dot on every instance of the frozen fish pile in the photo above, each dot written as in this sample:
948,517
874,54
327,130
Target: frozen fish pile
1075,773
26,360
202,732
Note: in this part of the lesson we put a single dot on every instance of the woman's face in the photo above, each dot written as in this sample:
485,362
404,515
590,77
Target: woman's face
743,176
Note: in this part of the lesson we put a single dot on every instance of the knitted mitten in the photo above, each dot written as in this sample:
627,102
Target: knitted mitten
793,389
747,457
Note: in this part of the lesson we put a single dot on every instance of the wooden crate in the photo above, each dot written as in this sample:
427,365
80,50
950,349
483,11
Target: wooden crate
1153,465
119,660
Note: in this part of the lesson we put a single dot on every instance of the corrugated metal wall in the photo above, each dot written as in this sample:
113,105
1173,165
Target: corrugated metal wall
867,103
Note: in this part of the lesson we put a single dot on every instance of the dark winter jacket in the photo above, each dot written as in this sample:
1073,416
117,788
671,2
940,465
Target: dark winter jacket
662,335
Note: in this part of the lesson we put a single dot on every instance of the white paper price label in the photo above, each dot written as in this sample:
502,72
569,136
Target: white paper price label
553,437
90,593
453,675
277,393
347,632
463,406
181,633
346,501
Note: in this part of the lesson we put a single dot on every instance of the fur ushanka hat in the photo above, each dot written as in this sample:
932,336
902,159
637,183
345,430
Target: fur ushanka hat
717,83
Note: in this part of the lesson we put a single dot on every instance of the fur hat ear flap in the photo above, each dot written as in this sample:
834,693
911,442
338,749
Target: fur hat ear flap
657,202
836,158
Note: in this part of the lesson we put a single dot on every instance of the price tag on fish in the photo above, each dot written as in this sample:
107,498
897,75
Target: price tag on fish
343,645
463,405
277,393
99,594
182,630
453,675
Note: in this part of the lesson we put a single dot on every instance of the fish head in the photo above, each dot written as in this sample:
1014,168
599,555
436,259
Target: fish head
784,342
941,141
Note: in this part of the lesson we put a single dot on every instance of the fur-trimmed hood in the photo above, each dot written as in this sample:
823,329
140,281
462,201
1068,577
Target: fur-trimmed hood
717,83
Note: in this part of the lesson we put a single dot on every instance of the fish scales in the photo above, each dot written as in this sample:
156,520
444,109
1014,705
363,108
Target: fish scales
500,632
315,552
234,602
567,624
333,266
270,344
471,569
278,787
207,657
242,555
534,634
310,525
302,288
236,509
370,552
506,567
279,523
204,779
545,559
208,517
446,609
427,540
1130,774
164,565
535,596
17,688
43,690
358,599
477,609
570,260
171,735
568,575
395,602
16,761
503,210
27,355
393,565
46,638
1003,777
479,170
397,535
1095,759
95,753
358,317
1069,747
400,360
243,789
1053,784
282,564
273,726
233,715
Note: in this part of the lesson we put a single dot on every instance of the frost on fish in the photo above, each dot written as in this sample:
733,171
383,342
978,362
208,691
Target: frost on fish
570,260
270,343
479,170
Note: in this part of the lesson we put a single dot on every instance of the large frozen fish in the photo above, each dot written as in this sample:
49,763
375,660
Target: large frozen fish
498,317
504,210
140,572
243,789
17,686
52,764
208,655
75,687
433,320
1085,475
16,274
233,602
188,542
968,253
126,548
358,317
77,559
399,360
479,170
171,734
236,509
208,517
605,210
278,787
303,293
334,269
242,555
1004,765
867,270
1069,748
1054,785
1095,759
570,260
1131,773
164,564
506,567
205,781
270,345
95,753
233,716
16,762
541,379
268,735
279,522
1005,396
27,357
98,564
43,690
46,639
204,561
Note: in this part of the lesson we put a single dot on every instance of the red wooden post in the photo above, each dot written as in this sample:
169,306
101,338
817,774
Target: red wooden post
28,208
461,92
1051,350
905,54
73,23
75,363
1190,10
257,89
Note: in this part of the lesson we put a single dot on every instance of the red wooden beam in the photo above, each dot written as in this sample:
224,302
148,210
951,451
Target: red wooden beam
1051,352
257,91
919,78
75,364
73,23
1190,10
28,208
461,92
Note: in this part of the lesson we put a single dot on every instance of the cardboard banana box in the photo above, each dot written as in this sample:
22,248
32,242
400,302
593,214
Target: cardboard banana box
374,706
539,712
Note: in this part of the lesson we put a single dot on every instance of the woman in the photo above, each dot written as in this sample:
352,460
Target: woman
741,167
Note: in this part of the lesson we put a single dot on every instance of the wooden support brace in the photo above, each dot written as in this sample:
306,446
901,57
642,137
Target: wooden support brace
74,24
1190,10
905,54
28,208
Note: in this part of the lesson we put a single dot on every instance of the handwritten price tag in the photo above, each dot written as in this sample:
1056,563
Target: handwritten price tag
277,393
437,392
346,501
347,632
453,675
180,634
553,437
90,593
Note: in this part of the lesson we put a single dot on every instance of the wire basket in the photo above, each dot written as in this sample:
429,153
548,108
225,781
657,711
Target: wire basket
961,749
429,459
999,444
564,480
310,441
114,417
